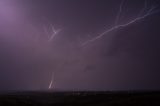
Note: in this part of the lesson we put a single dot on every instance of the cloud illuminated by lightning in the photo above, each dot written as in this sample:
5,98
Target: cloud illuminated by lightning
144,12
115,27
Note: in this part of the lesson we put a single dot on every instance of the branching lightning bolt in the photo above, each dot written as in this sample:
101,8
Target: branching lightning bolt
148,13
55,32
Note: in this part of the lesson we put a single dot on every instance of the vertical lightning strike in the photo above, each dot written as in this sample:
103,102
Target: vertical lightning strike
148,13
50,38
51,82
119,12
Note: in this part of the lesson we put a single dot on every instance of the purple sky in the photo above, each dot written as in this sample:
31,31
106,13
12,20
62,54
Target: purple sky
126,58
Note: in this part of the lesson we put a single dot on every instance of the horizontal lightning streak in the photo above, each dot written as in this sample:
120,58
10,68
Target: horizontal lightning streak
150,12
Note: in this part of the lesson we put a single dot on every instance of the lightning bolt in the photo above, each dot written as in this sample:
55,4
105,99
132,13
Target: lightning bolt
119,13
55,32
148,13
51,82
50,38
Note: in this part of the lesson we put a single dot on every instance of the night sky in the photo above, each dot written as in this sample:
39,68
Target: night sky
125,58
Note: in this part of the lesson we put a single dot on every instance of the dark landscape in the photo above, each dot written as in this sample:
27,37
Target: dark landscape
132,98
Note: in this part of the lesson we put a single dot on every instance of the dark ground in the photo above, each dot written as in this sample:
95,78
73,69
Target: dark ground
131,98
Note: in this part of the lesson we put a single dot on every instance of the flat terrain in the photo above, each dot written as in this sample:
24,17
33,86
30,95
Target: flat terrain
80,99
